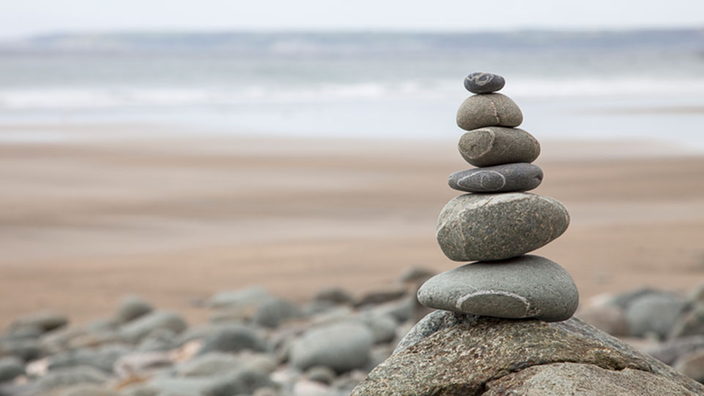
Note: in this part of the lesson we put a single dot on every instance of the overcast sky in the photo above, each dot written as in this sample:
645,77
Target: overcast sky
20,18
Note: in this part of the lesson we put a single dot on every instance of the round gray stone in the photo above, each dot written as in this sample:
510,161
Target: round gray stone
496,146
475,227
136,330
233,338
499,178
275,311
321,374
483,83
342,347
478,111
132,307
522,287
11,367
654,314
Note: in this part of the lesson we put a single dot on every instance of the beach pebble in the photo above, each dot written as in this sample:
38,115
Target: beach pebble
653,314
499,178
483,83
690,323
141,363
608,318
341,346
416,275
522,287
132,307
668,352
244,298
321,374
380,296
165,386
233,338
141,327
45,320
88,390
238,382
159,340
692,365
274,311
25,349
496,146
499,226
383,327
101,358
72,376
334,295
10,367
478,111
210,364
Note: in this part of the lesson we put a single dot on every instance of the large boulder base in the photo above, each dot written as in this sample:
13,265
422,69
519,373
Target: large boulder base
457,354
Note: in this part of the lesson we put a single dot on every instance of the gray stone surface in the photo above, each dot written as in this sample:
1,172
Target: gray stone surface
335,295
608,318
499,226
239,382
213,363
247,297
72,376
45,320
478,111
382,295
321,374
342,347
87,390
383,327
653,314
483,83
455,354
101,358
522,287
272,312
11,367
159,340
25,349
496,146
233,338
138,329
574,379
498,178
132,307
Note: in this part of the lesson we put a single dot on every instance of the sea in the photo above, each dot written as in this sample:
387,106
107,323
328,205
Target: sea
643,85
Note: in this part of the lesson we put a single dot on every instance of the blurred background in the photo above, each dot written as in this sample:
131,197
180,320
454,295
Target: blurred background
176,149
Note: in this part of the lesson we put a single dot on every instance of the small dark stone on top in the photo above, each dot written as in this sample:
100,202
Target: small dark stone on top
483,83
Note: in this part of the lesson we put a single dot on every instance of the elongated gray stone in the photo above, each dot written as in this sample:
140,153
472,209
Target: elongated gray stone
517,288
478,111
496,146
483,83
474,227
500,178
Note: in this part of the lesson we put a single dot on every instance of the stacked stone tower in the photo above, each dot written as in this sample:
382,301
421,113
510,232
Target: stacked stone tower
497,222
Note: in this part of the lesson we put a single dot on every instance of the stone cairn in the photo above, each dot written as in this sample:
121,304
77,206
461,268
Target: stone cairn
497,223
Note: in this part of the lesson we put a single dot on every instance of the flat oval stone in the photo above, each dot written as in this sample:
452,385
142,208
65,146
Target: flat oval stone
483,83
478,111
499,226
521,287
496,146
500,178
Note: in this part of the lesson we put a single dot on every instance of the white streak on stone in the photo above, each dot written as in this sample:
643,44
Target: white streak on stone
466,297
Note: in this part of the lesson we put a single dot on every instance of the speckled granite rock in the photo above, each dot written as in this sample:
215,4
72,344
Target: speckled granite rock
478,111
497,145
521,287
499,226
455,354
500,178
483,83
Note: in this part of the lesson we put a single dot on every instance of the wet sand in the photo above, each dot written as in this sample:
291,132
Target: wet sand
101,212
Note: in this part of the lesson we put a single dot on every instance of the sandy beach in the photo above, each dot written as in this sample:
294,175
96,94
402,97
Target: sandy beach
104,212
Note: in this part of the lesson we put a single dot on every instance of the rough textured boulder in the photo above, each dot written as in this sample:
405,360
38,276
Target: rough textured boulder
456,354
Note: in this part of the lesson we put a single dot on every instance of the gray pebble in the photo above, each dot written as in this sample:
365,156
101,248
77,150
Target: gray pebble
522,287
321,374
233,338
496,146
11,367
499,178
499,226
654,314
132,307
275,311
483,83
141,327
478,111
342,347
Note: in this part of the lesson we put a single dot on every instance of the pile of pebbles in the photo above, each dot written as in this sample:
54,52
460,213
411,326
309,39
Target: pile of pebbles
497,222
255,343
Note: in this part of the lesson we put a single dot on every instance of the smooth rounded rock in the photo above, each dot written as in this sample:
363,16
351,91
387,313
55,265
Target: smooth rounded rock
497,146
475,227
522,287
654,314
500,178
692,365
132,307
483,83
342,347
11,367
275,311
233,338
141,327
478,111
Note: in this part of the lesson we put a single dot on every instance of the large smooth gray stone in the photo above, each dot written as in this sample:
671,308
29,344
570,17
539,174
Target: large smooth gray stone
454,354
518,288
141,327
497,145
654,314
342,347
483,83
476,227
234,339
478,111
500,178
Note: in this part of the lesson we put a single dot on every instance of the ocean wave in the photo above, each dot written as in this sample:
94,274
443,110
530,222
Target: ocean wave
86,98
